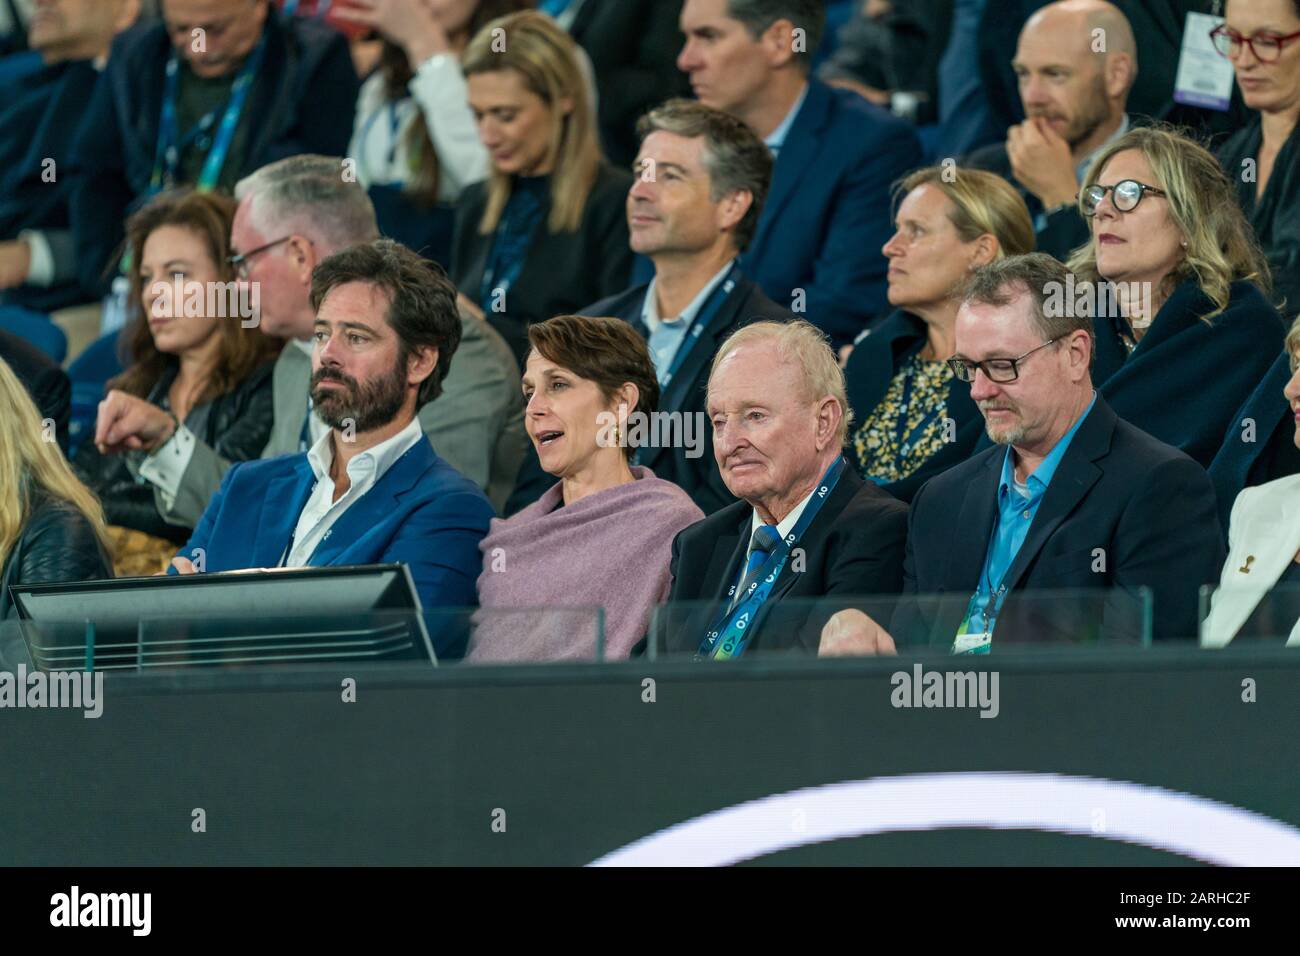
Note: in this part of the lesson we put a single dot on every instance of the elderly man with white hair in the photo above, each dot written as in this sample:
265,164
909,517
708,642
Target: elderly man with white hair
806,527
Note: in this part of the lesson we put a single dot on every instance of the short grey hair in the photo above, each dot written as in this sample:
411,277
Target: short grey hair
1000,282
311,195
734,157
808,347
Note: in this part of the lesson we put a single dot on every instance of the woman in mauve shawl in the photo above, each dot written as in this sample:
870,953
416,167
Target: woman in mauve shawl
597,544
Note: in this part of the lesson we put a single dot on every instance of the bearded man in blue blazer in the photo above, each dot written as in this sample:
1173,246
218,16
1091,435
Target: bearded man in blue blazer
372,489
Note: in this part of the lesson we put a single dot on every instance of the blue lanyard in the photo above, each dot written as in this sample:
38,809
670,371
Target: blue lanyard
168,155
700,323
729,634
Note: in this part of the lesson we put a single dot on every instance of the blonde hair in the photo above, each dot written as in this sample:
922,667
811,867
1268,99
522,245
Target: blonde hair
29,462
807,346
546,58
983,204
1292,344
1221,246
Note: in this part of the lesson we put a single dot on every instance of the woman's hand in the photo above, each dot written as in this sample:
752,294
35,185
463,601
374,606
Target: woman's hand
408,23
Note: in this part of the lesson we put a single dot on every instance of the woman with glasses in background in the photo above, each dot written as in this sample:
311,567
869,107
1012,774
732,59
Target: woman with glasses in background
1178,289
1262,39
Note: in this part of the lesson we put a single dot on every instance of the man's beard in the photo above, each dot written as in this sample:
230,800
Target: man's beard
366,407
1093,111
1007,434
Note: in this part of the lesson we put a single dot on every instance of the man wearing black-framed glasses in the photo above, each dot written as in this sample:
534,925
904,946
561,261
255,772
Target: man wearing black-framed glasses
1071,497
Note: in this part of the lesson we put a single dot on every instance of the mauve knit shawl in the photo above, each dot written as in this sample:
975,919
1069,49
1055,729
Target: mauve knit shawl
542,565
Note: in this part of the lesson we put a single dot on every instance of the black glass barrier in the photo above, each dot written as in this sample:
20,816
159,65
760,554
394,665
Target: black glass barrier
905,624
1242,613
1170,756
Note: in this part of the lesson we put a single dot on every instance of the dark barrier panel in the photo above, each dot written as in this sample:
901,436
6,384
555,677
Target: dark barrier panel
564,765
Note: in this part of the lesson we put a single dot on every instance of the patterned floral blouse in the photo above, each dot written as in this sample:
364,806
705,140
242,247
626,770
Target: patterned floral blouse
906,428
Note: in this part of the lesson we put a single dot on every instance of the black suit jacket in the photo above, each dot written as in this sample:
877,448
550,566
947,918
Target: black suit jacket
854,547
46,382
1148,507
633,45
699,476
302,101
562,271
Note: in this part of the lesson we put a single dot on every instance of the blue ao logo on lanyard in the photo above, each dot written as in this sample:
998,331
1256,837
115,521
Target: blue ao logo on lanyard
171,145
729,634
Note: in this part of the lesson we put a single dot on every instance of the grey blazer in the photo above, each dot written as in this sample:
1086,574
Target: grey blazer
476,424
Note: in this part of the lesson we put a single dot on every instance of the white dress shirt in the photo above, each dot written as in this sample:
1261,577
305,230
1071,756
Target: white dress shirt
364,471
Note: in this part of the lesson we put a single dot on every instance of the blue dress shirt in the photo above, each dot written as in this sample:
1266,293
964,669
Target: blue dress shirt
1014,517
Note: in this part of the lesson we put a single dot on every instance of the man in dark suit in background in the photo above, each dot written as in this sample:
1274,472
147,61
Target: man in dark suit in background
249,88
807,526
817,247
633,49
1074,96
43,96
701,179
1072,498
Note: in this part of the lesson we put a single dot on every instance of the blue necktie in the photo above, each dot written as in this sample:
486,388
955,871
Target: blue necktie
766,537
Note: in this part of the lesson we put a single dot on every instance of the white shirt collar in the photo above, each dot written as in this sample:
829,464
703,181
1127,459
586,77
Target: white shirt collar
374,461
786,524
650,306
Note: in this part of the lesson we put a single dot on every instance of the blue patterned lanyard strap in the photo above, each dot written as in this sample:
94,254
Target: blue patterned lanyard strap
729,634
703,318
170,144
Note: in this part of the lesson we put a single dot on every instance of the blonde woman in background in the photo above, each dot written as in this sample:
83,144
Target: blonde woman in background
546,233
1183,325
51,526
899,385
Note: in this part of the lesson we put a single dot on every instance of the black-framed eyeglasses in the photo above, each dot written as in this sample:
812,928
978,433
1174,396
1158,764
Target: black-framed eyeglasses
1266,48
1127,194
240,262
1000,370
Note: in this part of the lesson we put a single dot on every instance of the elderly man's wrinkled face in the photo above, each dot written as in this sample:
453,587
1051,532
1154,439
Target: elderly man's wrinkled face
1024,411
764,423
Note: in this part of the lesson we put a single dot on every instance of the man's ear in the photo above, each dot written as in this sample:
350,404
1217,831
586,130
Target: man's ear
302,254
733,208
421,363
1120,74
1080,350
829,415
778,43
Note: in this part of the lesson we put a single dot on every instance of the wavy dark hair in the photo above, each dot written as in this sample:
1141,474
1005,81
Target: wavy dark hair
209,216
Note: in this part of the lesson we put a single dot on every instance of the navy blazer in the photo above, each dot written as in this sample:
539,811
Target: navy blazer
872,365
1259,446
828,212
421,513
302,101
698,477
853,548
1148,507
1187,376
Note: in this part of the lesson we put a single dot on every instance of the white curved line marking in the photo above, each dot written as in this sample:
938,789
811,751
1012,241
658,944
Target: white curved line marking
1181,823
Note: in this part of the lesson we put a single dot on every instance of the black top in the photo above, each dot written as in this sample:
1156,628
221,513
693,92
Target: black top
57,545
1276,215
237,425
561,271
